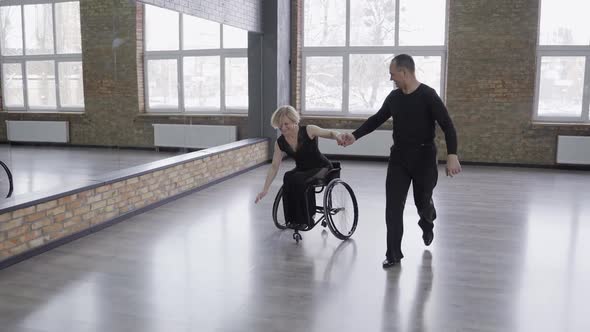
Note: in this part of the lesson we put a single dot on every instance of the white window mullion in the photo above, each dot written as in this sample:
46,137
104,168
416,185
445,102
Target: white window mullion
347,25
180,87
303,80
566,51
180,64
180,32
55,62
586,95
22,21
345,82
221,72
56,69
537,87
23,62
397,22
346,62
222,84
146,90
25,85
146,82
54,28
447,8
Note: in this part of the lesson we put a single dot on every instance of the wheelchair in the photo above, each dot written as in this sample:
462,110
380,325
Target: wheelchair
339,211
10,184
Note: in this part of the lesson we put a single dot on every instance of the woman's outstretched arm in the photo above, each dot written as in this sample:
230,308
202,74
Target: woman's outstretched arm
277,157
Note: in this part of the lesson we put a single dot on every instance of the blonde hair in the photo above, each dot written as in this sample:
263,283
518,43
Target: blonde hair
285,110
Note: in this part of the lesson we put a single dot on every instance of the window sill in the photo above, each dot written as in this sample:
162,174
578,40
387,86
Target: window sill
60,113
191,114
338,117
557,125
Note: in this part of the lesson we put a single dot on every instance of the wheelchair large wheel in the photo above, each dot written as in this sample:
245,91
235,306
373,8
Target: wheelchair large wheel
340,209
277,211
9,178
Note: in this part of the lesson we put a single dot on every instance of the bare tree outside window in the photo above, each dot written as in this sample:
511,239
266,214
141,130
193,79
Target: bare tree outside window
38,29
324,83
324,23
372,23
369,81
12,34
348,46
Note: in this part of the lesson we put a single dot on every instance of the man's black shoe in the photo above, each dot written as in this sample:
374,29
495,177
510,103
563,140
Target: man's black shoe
387,263
427,236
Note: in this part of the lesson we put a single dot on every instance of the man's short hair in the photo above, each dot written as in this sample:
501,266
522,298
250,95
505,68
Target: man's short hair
404,61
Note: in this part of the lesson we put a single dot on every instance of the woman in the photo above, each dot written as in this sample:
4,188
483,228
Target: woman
301,144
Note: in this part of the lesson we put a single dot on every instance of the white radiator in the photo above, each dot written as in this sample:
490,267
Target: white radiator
193,136
37,131
573,150
376,143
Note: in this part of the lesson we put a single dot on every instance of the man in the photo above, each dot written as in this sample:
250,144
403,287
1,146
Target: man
414,108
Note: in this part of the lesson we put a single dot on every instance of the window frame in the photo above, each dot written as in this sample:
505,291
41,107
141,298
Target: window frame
561,51
57,58
346,51
179,56
569,51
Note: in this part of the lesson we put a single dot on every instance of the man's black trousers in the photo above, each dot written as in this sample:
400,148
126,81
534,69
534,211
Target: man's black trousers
416,165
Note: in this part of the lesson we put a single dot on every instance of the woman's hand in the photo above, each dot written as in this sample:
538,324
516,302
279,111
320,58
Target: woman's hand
260,196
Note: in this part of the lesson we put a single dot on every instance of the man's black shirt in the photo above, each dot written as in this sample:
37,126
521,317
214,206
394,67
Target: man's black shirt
414,117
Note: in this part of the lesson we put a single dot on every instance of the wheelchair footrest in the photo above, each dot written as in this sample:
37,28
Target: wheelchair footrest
299,227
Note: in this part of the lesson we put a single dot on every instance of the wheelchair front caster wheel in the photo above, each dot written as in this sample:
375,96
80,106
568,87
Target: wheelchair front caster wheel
297,237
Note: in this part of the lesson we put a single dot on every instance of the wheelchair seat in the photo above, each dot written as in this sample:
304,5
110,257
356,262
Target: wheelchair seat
332,174
339,209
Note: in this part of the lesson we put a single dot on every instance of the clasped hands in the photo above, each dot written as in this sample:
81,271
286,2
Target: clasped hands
345,139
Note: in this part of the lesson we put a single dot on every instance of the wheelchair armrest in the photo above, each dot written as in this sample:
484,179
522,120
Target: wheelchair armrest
334,172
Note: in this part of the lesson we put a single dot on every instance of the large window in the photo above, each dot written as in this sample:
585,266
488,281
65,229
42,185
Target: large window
194,65
348,45
41,56
563,62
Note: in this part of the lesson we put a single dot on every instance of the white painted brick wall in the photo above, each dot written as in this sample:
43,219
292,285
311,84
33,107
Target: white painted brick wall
244,14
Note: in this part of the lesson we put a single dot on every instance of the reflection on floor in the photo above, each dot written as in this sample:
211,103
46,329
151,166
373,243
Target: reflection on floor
508,255
42,168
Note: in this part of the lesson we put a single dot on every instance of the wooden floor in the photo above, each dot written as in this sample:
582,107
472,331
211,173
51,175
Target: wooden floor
510,253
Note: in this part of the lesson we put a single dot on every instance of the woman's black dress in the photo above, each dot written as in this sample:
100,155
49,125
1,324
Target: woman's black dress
310,164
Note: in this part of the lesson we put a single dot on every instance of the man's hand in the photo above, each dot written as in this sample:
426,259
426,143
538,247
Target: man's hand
260,196
453,166
345,139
